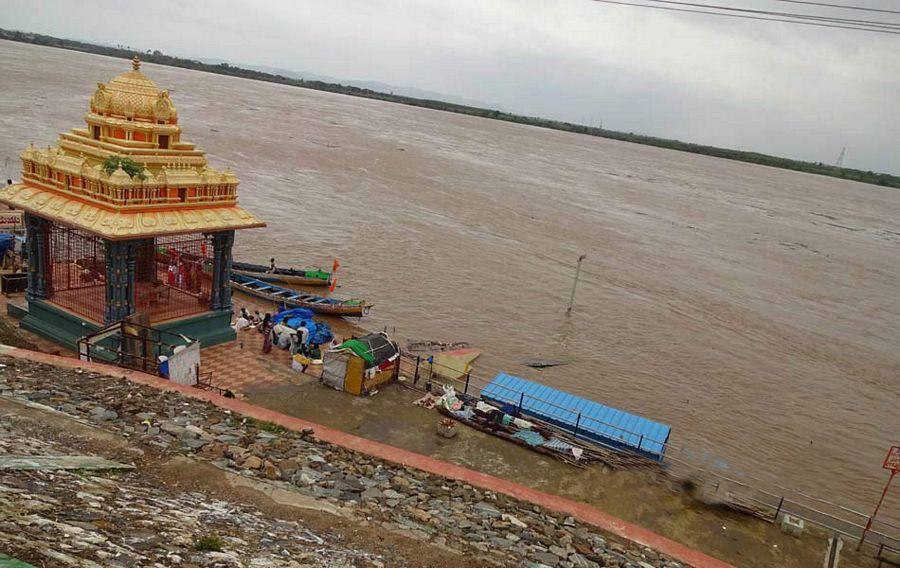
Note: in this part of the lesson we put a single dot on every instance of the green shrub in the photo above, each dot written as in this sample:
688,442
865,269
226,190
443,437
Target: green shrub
209,543
130,167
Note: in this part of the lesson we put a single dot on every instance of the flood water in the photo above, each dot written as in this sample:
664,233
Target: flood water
753,309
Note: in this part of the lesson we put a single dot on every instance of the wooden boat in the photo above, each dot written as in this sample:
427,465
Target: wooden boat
302,277
295,299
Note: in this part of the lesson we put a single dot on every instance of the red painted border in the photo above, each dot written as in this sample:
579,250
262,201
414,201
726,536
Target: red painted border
580,511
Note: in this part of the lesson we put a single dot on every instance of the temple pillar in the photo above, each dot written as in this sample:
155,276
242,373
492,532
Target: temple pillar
121,260
37,242
220,296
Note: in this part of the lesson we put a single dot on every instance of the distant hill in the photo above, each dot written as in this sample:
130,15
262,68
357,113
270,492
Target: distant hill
438,101
411,92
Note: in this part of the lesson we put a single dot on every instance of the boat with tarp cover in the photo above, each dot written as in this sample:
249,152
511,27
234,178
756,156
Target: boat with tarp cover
301,276
585,419
296,299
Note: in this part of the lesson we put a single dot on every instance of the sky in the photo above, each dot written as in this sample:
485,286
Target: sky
796,91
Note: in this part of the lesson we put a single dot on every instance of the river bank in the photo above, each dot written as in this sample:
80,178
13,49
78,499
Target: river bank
647,498
471,526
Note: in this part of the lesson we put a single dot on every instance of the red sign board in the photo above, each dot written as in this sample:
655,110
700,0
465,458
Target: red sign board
892,461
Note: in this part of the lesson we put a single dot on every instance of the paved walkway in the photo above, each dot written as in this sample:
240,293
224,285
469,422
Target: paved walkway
581,511
233,365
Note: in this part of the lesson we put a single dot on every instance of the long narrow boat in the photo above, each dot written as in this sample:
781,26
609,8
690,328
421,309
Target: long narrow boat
303,277
295,299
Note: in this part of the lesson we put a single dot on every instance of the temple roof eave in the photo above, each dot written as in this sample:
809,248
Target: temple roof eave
94,118
125,225
100,149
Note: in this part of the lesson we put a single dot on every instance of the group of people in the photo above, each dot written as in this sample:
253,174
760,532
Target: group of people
246,320
183,274
285,337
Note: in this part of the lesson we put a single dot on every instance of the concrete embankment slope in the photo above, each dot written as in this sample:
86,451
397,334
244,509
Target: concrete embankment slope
468,512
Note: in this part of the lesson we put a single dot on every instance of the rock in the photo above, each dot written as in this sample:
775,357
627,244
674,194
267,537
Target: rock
288,467
352,483
391,494
560,552
579,561
194,443
196,431
547,558
486,510
270,471
170,427
569,522
235,452
372,494
513,520
400,483
252,462
103,414
307,476
598,543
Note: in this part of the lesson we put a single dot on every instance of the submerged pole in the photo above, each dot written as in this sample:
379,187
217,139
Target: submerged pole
575,283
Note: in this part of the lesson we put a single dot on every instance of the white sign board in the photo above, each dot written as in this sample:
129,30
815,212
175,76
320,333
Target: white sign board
11,220
183,366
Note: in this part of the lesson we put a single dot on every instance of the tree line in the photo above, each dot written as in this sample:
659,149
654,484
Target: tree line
158,57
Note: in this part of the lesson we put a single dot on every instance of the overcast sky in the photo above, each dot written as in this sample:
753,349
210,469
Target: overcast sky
777,88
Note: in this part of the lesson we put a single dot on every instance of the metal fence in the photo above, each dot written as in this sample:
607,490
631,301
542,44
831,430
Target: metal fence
764,499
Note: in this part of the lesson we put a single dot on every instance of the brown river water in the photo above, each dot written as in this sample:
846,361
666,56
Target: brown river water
755,310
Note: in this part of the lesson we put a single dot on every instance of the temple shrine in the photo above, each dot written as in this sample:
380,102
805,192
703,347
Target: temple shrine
125,217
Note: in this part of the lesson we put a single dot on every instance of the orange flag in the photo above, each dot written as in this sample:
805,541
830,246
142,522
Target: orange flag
333,284
335,266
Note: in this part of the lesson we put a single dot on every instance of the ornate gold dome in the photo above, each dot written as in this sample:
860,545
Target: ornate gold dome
132,94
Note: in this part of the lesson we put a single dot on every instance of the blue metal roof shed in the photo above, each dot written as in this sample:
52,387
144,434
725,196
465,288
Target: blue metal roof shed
592,421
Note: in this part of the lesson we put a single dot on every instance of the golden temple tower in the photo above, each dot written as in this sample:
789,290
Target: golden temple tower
123,216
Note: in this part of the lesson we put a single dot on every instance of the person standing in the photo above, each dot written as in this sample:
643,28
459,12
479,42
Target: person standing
271,269
266,329
303,331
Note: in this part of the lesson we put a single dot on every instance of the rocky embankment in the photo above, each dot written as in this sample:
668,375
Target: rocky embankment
457,517
93,519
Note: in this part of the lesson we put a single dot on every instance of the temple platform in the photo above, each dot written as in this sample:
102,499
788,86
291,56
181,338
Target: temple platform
64,328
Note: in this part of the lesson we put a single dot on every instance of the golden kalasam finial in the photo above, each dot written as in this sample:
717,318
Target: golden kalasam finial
136,63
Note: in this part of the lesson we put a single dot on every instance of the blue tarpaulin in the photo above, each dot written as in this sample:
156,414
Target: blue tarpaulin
7,241
597,422
319,333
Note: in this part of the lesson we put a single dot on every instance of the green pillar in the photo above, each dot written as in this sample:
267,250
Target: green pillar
221,284
121,260
37,235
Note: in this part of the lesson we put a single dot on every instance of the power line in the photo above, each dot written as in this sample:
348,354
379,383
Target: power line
750,17
842,6
832,19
